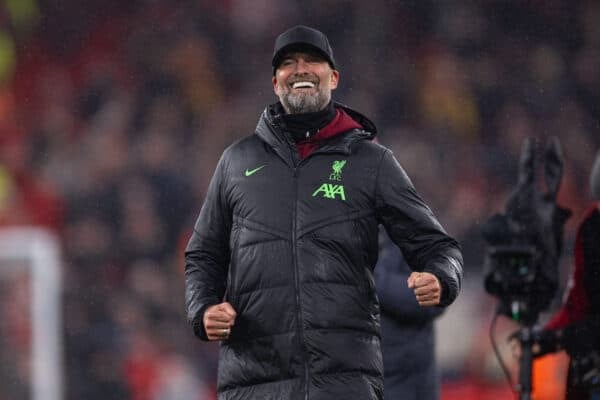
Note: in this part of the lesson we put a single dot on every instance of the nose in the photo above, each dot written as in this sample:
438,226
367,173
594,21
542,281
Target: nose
301,65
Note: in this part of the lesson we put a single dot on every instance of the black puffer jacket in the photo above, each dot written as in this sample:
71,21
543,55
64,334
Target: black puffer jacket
291,244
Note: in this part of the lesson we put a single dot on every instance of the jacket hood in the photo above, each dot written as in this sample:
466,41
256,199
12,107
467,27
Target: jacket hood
268,127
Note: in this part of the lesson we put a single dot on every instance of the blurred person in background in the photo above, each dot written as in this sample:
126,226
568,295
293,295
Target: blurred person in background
575,327
279,267
408,336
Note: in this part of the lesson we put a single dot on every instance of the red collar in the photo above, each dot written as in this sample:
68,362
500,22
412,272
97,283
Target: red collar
341,123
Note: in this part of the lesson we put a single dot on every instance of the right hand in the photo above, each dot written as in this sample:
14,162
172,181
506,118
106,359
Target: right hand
427,288
218,320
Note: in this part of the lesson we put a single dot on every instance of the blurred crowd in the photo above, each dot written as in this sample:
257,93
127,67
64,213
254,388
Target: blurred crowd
113,115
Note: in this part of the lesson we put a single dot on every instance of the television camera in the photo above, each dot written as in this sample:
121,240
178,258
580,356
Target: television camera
523,248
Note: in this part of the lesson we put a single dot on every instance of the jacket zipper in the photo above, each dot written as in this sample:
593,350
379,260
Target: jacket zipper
297,287
300,329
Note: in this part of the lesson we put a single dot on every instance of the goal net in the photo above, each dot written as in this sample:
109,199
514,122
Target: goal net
31,359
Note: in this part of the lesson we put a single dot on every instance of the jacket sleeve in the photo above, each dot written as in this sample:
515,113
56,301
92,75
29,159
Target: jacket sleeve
395,298
413,227
207,253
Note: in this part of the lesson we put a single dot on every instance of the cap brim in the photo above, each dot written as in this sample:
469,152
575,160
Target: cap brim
300,48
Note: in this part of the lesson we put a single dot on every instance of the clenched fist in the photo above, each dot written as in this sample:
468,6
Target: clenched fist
218,320
427,288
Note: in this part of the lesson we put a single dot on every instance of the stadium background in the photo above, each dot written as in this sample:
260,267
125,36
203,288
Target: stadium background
113,114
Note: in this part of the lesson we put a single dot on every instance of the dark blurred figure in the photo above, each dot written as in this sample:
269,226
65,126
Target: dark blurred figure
408,336
576,325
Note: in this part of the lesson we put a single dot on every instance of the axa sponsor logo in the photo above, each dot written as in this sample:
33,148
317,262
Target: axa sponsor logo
330,190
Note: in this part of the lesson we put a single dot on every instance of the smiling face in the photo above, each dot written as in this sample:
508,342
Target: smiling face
303,82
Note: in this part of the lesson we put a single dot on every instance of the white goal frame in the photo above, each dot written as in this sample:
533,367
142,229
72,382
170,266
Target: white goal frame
38,250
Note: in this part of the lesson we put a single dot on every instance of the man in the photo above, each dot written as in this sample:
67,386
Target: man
279,267
576,325
408,336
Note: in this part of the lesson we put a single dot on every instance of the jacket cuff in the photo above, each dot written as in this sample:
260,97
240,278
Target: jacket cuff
449,281
445,299
198,325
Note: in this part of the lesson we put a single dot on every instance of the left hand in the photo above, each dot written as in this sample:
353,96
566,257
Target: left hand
427,288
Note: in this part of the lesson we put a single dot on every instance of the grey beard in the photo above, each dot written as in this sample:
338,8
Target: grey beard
303,102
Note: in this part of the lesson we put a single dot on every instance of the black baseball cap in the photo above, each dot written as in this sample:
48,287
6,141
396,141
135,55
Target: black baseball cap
302,38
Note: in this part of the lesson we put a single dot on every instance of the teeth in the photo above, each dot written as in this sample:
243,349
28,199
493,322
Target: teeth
303,84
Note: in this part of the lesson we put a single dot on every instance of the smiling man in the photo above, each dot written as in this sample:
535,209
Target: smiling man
279,267
304,74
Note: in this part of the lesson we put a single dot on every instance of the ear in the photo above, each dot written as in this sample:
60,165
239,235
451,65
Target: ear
335,78
274,80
